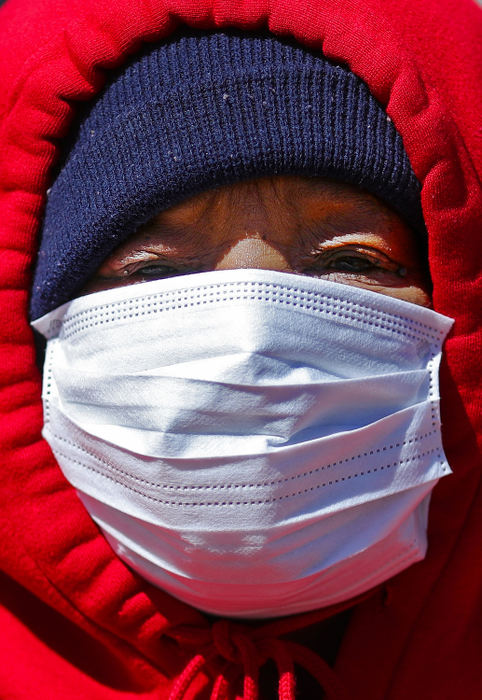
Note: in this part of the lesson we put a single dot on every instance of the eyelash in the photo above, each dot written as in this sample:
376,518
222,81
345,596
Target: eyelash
155,269
362,261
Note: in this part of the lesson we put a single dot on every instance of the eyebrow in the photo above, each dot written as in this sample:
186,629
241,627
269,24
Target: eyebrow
163,229
361,216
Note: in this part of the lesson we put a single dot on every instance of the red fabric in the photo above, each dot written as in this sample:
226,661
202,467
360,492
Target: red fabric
75,622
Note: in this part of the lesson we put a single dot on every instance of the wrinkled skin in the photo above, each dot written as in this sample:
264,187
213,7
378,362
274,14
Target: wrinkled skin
308,226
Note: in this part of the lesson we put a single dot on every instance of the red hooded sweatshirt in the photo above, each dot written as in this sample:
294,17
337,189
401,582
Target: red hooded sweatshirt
75,621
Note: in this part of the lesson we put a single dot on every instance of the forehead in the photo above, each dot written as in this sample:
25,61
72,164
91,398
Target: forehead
301,195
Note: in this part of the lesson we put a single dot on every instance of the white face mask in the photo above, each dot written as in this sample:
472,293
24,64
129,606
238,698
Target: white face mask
255,443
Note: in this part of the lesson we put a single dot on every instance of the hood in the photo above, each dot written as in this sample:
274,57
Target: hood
419,59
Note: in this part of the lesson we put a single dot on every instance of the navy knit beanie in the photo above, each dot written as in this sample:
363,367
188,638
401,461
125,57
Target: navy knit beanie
203,110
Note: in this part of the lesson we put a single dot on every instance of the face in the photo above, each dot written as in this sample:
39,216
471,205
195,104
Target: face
301,225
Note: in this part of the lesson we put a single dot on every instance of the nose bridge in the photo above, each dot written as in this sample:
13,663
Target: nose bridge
259,227
253,251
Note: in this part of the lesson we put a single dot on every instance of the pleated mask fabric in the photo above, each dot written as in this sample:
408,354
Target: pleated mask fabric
256,443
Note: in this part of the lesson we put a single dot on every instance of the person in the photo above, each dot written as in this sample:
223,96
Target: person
245,234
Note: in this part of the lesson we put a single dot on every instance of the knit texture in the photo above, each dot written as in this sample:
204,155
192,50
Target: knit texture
200,111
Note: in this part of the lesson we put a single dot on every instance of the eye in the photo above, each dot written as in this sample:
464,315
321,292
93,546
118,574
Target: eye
351,263
153,270
355,260
158,270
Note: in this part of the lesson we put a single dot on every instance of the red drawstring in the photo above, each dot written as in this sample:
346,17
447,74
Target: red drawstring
232,642
251,663
220,688
318,668
286,670
187,676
